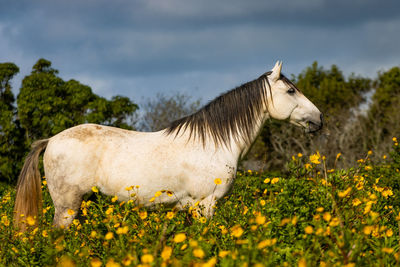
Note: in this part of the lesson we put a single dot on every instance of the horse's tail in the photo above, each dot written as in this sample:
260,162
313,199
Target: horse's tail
28,201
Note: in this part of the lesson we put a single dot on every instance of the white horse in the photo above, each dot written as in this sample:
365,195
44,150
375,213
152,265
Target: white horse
184,158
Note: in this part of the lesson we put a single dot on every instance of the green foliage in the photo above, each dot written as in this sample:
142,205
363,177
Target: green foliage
386,100
11,135
315,215
47,104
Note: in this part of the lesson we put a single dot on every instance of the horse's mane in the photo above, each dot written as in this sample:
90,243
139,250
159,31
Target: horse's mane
230,115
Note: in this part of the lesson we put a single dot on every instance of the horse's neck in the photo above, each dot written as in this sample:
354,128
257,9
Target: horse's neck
241,147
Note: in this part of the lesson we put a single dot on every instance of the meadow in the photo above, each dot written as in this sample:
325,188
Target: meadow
313,215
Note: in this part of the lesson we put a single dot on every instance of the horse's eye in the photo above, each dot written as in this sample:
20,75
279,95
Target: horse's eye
291,91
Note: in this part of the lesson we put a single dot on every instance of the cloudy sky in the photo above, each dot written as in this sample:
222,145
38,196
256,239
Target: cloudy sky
202,48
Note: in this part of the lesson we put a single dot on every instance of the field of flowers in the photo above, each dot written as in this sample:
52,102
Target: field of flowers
315,215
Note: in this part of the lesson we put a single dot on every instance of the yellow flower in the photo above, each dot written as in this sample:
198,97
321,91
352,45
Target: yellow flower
112,263
109,210
356,202
274,180
193,243
157,194
75,222
387,250
284,221
267,180
266,243
299,155
93,234
170,215
127,260
302,263
95,262
210,263
368,168
71,212
260,219
94,189
166,253
320,209
115,198
122,230
217,181
198,253
327,216
389,233
5,220
184,246
315,159
129,188
368,229
224,231
394,139
66,261
307,166
178,238
262,202
147,258
44,233
109,236
319,231
30,220
203,220
223,253
338,155
309,230
237,231
387,192
152,199
344,193
335,222
294,220
143,215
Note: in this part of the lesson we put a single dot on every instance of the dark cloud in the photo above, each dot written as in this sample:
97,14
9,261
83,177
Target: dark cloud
137,48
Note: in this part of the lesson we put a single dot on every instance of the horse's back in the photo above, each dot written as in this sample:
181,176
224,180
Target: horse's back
74,156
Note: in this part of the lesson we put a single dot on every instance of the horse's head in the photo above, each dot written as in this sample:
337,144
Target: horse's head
287,102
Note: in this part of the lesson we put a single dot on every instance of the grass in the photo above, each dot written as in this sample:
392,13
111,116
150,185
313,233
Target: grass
313,216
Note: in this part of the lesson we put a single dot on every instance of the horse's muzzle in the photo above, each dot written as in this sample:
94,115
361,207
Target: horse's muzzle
314,126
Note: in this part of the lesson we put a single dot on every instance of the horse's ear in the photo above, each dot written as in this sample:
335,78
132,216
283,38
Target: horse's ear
276,71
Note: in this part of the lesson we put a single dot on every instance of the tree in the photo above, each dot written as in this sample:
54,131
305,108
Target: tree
383,117
161,111
47,104
11,134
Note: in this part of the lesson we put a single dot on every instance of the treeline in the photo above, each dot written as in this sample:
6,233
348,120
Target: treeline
360,115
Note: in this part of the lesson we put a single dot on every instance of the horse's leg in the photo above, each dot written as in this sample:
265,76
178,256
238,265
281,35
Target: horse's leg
207,206
67,201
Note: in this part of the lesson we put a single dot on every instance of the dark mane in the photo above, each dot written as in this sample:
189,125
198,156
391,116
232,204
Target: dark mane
231,115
